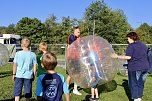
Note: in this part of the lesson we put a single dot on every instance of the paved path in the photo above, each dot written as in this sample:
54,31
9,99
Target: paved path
61,63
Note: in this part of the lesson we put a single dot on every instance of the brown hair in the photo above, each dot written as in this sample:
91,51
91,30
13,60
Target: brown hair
26,43
133,36
49,61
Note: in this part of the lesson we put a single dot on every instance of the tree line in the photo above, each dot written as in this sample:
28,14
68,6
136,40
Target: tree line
99,19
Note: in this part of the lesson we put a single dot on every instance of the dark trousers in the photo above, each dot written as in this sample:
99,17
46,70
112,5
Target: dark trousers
136,80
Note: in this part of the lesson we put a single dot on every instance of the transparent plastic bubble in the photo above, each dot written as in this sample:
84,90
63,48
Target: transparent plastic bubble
123,67
89,63
4,55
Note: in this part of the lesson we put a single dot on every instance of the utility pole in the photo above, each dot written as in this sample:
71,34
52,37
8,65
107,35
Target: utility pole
94,23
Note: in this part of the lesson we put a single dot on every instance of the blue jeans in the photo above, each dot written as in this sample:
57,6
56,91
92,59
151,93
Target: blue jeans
136,80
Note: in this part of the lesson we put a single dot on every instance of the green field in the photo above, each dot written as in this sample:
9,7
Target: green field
115,90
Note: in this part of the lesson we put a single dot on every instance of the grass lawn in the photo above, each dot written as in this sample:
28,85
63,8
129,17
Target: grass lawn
115,90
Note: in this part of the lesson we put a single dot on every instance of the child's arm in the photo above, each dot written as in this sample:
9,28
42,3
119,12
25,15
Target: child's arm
14,71
34,72
65,88
67,96
34,64
34,69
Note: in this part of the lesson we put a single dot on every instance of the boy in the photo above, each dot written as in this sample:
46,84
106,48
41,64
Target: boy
73,37
23,69
96,73
92,59
50,86
43,50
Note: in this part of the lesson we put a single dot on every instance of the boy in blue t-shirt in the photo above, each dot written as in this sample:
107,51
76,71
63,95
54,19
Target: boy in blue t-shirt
23,69
50,86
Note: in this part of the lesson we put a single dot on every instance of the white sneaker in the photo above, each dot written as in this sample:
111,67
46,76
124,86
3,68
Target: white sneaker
76,92
139,99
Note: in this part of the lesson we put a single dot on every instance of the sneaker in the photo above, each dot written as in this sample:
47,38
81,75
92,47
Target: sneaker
76,92
97,99
92,99
139,99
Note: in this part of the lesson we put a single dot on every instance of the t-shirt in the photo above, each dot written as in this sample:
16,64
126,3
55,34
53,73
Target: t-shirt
138,53
25,61
72,38
51,87
72,52
40,69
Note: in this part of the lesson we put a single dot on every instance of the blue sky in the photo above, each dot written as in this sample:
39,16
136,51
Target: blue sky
136,11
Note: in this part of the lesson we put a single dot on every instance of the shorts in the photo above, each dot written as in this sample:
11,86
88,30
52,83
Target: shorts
19,82
94,86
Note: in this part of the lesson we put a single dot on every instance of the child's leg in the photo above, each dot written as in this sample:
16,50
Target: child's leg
92,92
96,93
75,90
75,86
18,88
68,80
28,89
17,98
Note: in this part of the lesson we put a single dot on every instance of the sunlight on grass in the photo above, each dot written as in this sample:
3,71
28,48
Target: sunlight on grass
115,90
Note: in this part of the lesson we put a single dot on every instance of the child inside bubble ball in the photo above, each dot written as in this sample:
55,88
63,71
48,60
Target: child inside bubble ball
90,59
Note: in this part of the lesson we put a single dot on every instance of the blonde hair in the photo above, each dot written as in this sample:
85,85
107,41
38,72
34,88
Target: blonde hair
43,45
49,61
26,43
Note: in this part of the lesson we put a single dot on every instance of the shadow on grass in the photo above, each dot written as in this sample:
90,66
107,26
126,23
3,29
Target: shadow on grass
127,91
21,97
149,75
5,74
107,87
12,99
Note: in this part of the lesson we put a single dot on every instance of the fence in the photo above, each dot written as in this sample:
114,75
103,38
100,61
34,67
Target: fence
60,49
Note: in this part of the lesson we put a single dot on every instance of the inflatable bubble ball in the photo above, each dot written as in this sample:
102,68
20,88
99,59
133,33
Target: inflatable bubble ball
89,62
122,70
4,55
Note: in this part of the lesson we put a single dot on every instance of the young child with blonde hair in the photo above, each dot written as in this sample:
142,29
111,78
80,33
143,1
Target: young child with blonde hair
42,51
24,67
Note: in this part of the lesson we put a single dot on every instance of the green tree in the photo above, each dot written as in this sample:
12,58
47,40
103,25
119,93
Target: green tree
10,29
32,28
51,26
2,30
145,33
109,24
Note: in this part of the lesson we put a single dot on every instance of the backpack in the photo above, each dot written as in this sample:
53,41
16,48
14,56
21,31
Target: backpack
149,54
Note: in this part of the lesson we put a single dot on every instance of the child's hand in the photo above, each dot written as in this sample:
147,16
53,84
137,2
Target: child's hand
13,77
33,77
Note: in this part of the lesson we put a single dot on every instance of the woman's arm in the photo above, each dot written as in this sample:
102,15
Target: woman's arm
123,57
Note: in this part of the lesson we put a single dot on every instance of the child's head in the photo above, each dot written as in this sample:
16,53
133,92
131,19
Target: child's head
26,43
77,31
42,46
49,61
